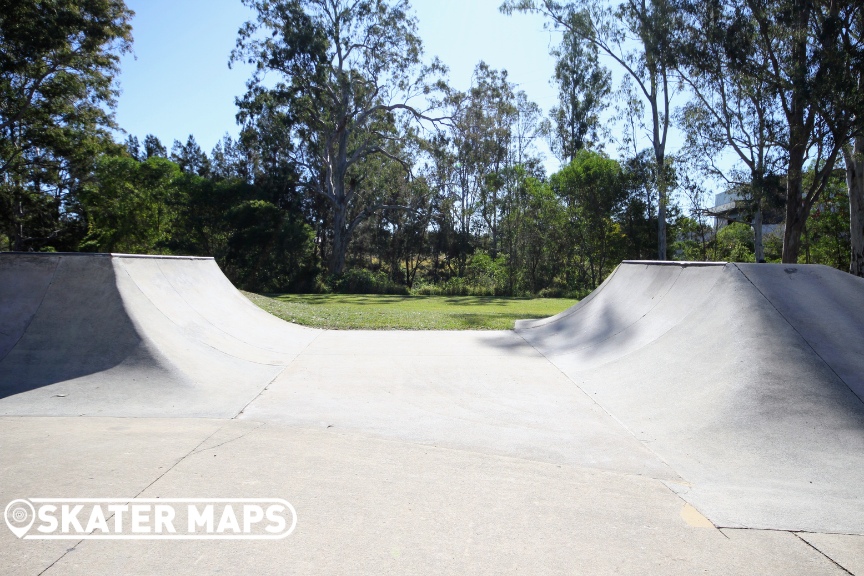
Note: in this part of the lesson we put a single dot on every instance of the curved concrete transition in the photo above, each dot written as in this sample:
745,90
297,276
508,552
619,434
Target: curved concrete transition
684,418
155,335
746,379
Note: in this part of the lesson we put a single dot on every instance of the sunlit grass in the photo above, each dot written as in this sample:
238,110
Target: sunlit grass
379,312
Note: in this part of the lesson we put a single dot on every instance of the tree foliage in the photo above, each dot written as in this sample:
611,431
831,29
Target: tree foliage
637,35
342,179
349,72
57,63
809,71
584,88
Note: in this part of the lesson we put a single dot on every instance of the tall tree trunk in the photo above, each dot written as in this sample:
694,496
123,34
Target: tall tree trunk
855,183
661,223
796,206
18,242
757,235
340,242
660,159
792,234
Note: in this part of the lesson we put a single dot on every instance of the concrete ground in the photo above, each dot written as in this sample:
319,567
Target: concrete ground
679,421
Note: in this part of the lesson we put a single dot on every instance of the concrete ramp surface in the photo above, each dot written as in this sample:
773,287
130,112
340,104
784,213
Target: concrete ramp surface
154,334
685,418
746,379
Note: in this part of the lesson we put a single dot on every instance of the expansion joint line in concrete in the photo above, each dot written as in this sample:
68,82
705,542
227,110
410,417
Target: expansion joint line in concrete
264,389
170,468
799,333
820,552
796,534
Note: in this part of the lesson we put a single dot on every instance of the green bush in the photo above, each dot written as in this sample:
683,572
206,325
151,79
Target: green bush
735,243
486,275
560,292
454,287
362,281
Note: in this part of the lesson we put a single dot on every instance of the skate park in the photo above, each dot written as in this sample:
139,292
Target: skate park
684,418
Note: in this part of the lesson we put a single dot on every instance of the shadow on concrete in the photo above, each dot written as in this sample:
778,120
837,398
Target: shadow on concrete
78,327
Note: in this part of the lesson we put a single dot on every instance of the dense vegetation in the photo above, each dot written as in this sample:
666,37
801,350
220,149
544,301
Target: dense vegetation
361,170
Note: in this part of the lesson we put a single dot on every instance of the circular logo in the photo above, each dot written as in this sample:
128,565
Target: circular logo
19,515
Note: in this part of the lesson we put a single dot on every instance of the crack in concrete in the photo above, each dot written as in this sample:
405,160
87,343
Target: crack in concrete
174,465
264,389
840,566
197,451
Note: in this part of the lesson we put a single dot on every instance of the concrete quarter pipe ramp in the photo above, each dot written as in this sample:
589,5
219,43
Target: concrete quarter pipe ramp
746,379
566,446
159,335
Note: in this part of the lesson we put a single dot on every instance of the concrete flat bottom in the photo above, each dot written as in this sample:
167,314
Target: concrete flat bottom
368,505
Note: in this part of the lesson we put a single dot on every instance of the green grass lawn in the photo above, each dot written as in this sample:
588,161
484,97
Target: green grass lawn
374,312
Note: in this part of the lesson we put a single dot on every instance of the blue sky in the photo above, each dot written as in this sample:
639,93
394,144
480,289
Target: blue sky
178,81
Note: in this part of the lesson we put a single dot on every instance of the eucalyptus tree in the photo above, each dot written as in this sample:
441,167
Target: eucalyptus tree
730,110
638,36
347,75
853,151
798,52
584,86
407,230
470,154
485,142
854,157
528,126
494,128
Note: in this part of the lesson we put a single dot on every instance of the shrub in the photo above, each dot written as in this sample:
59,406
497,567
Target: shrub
560,292
362,281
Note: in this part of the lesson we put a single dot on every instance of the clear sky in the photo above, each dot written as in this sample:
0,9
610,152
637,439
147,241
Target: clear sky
178,82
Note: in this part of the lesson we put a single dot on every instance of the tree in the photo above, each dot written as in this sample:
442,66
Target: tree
133,147
406,229
853,152
592,189
190,158
583,87
492,129
535,225
153,147
268,249
826,238
637,35
637,217
57,63
730,110
734,243
482,137
230,159
854,157
349,73
811,73
130,205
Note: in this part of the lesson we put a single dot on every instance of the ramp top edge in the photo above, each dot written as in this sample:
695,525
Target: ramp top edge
107,255
682,263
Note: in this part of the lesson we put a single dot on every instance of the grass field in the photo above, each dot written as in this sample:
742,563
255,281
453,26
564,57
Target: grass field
375,312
